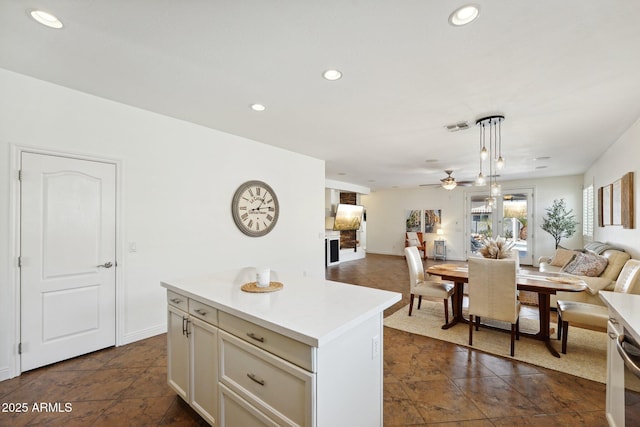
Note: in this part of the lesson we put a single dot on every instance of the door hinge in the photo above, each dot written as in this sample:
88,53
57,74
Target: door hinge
19,348
20,175
19,261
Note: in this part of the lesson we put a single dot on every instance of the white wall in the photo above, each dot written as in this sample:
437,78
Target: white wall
622,157
178,180
386,214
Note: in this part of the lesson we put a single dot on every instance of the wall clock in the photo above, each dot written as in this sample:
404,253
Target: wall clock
255,208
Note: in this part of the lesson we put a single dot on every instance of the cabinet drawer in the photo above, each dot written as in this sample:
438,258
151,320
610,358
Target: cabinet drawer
279,389
203,312
177,300
289,349
235,411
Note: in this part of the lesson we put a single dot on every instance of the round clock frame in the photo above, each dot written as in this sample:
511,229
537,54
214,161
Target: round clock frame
247,205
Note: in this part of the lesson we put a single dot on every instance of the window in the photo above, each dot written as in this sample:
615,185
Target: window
587,213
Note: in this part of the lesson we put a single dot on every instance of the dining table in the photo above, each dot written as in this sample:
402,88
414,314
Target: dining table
543,284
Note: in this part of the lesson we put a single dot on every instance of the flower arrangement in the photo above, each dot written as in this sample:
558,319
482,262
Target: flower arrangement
497,248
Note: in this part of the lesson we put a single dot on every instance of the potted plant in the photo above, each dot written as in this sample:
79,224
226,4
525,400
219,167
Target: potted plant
559,222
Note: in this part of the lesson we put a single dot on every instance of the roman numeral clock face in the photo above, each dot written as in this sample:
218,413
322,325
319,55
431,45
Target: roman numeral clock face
255,208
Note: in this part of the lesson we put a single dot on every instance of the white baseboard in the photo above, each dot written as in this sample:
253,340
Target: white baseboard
5,373
144,334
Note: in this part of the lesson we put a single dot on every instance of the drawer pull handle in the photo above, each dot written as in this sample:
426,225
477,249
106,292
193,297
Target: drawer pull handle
176,300
613,321
200,312
253,378
612,336
255,337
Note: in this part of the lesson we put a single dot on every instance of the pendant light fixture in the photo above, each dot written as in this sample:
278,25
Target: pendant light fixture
491,149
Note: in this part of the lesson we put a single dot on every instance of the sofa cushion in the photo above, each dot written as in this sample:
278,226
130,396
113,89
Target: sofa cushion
599,247
561,257
588,264
596,284
545,267
616,259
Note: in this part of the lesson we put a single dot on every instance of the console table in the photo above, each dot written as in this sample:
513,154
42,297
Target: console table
440,250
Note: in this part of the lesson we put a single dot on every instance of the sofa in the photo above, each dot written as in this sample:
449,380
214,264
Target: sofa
562,259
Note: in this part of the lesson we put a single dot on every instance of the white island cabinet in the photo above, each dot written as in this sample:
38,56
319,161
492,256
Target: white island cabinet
309,354
623,385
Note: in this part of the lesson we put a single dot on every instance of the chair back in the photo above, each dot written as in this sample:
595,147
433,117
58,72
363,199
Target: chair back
416,270
629,278
413,239
493,288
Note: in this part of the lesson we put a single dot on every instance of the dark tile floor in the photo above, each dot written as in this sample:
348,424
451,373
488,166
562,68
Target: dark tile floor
427,382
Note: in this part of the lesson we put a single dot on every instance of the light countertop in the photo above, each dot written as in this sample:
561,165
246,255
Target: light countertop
310,310
627,309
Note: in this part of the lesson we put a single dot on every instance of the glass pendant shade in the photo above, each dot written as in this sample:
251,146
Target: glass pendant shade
491,150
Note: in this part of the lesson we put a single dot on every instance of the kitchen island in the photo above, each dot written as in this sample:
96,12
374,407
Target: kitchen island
307,354
623,382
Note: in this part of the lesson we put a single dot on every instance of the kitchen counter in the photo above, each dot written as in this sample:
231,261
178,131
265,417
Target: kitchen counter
626,308
307,354
623,381
310,310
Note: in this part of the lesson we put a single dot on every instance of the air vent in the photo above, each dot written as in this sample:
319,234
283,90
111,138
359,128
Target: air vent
457,126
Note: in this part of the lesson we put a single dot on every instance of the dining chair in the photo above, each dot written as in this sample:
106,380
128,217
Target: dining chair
493,294
434,287
593,315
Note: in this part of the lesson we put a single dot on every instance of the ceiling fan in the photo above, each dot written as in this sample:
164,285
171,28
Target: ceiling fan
449,183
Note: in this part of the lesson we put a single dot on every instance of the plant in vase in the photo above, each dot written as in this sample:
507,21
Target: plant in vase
559,222
497,248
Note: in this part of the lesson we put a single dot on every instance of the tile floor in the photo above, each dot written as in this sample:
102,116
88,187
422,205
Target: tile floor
427,382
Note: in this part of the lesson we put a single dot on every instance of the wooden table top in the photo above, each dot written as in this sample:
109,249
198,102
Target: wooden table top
527,280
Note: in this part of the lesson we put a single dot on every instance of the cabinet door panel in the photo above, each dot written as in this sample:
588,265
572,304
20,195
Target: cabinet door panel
177,352
204,369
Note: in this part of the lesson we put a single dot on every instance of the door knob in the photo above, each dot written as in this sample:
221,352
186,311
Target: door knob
106,265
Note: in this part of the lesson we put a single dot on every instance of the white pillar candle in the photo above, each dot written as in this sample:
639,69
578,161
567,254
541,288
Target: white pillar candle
263,277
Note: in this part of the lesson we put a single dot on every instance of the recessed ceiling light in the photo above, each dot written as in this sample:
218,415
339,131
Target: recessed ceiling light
258,107
46,18
332,75
464,15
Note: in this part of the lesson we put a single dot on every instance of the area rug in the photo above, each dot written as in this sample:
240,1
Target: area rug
586,350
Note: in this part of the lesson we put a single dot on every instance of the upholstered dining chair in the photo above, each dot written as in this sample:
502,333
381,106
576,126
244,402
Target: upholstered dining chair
414,238
593,315
433,287
493,294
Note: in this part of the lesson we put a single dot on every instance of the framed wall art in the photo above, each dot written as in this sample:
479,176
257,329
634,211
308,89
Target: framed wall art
432,220
615,203
413,220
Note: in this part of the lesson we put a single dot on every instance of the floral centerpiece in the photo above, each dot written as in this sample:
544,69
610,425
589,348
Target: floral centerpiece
497,248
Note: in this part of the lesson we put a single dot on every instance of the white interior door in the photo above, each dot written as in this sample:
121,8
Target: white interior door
68,256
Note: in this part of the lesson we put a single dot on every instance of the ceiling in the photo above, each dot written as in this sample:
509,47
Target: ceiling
565,74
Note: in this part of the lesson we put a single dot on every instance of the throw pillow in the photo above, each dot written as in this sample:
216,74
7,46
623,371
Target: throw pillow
562,257
590,265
